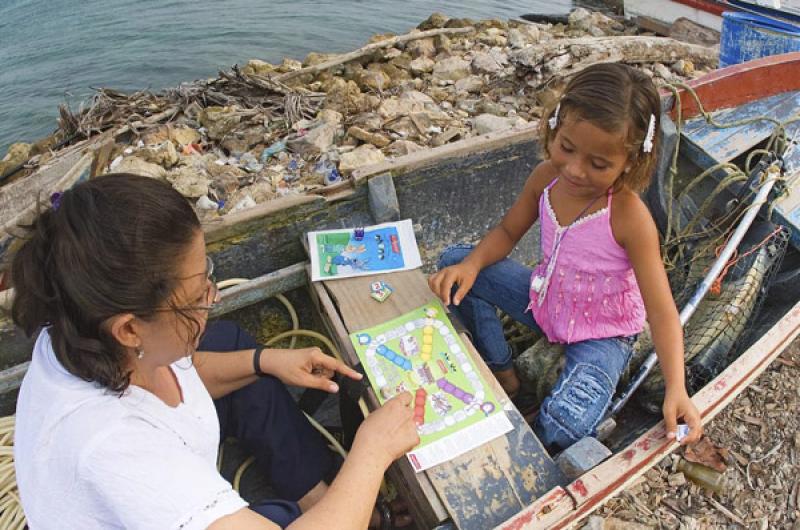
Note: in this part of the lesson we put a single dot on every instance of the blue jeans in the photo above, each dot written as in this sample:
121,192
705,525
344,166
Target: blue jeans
270,426
584,390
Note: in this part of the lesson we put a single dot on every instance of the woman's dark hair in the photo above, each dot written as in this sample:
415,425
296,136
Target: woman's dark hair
109,246
614,97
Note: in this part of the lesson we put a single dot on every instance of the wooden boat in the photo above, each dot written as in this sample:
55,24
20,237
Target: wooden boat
707,13
453,193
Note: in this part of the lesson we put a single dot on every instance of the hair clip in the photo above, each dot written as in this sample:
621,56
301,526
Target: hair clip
553,121
647,145
55,200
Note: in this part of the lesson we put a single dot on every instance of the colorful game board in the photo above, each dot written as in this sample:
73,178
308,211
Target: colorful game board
375,249
420,352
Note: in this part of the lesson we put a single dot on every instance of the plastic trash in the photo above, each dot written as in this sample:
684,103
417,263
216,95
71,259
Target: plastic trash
250,164
272,150
328,171
204,203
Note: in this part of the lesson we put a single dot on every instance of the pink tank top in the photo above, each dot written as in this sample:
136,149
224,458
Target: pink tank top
590,290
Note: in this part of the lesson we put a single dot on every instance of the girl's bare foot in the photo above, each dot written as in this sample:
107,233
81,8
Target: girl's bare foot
509,381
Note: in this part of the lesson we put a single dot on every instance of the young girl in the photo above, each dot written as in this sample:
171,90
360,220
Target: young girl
126,398
601,272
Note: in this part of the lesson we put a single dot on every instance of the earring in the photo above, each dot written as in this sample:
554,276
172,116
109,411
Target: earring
139,352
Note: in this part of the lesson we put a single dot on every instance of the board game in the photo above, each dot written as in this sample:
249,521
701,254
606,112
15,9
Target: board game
345,253
420,352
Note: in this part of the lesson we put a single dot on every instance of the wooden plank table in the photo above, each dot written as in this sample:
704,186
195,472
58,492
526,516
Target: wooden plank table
479,489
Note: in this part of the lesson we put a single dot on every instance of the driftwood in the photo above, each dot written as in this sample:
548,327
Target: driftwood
369,48
557,59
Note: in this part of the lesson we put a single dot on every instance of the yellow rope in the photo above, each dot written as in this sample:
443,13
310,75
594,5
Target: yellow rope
12,517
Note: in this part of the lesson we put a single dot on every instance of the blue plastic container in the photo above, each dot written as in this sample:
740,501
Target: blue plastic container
747,36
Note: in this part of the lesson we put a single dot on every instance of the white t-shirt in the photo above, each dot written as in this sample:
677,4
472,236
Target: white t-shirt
86,458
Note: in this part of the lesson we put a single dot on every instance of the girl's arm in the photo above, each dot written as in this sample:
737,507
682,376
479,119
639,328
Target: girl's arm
500,240
635,230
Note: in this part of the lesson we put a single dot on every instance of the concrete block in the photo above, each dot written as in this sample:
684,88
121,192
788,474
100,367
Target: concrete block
383,202
582,456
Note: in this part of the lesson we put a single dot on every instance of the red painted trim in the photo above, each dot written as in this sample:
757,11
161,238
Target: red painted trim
715,8
741,83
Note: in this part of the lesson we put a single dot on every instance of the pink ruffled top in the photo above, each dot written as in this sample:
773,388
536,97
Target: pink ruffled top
591,290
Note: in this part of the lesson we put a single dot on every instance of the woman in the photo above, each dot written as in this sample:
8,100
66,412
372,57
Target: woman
116,427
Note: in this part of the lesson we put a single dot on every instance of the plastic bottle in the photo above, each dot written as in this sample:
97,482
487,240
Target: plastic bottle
702,475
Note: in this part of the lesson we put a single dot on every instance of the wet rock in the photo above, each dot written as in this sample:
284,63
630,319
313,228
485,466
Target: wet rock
137,166
421,48
402,148
452,69
164,154
315,141
472,83
435,21
375,139
188,181
362,156
423,65
258,67
219,121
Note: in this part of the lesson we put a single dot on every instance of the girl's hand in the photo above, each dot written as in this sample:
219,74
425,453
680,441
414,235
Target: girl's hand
305,367
388,432
442,282
678,404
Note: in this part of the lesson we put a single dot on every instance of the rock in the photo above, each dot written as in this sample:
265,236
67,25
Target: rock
137,166
493,37
402,148
472,83
404,105
435,21
330,117
315,141
452,69
391,53
459,23
486,123
239,142
447,136
362,156
289,65
683,67
188,181
402,61
486,63
345,97
421,48
242,203
226,179
164,154
372,79
17,154
593,22
370,121
396,75
383,204
403,127
219,121
258,67
375,139
676,479
582,456
523,36
315,58
444,44
259,192
662,71
422,65
184,135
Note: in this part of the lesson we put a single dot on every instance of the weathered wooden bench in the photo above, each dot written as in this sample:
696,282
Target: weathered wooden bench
477,490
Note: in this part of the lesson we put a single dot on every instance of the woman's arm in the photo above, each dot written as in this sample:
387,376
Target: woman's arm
385,435
636,231
225,372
